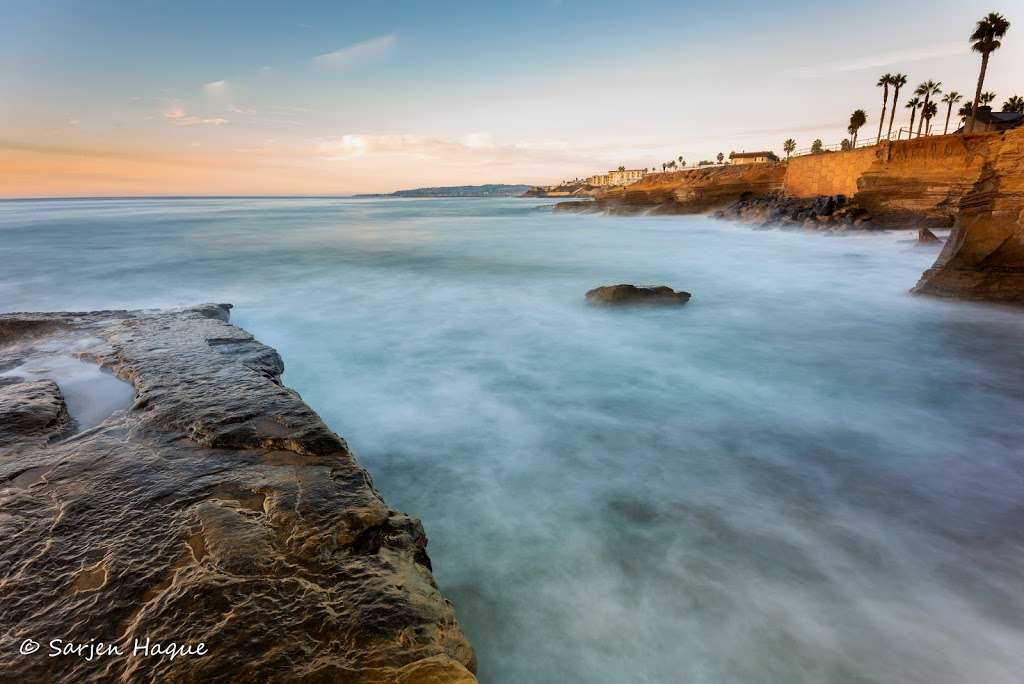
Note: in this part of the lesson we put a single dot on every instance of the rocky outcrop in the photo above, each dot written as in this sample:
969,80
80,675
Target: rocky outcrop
578,207
693,191
575,189
983,259
927,237
631,295
31,411
834,213
921,182
218,510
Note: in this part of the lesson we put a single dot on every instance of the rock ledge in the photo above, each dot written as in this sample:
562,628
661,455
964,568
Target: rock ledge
218,509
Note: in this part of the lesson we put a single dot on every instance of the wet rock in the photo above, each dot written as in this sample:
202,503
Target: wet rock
775,210
219,509
927,237
579,207
631,295
32,410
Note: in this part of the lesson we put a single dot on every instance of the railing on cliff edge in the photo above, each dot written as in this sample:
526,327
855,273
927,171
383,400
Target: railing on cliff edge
901,134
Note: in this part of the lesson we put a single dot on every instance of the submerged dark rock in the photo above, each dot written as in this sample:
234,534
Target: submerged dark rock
219,509
927,237
626,295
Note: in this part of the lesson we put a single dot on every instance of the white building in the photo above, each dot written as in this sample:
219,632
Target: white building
617,177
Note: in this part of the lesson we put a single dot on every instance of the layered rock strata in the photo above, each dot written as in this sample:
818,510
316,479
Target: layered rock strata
983,259
690,192
218,509
922,182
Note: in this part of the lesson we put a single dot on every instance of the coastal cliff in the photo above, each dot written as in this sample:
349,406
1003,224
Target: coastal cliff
971,183
692,192
921,182
984,257
217,509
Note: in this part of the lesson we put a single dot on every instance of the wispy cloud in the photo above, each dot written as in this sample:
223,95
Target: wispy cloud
418,146
201,121
177,115
879,60
357,53
215,87
479,148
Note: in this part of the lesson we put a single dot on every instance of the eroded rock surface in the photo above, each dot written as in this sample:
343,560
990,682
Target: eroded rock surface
922,182
218,509
631,295
692,191
31,410
983,259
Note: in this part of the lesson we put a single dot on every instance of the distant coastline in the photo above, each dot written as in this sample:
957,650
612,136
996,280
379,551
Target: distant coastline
492,190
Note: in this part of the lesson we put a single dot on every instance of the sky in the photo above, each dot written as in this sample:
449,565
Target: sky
308,98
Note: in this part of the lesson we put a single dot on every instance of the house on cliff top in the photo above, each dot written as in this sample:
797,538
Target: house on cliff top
988,121
752,157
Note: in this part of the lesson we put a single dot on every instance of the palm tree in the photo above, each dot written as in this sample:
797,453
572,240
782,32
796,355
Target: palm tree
1014,104
912,104
789,146
897,81
927,89
927,112
950,98
816,146
680,158
985,40
857,119
884,82
964,113
987,98
663,167
720,157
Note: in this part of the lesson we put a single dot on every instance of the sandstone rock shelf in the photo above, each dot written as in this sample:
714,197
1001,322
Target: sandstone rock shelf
218,509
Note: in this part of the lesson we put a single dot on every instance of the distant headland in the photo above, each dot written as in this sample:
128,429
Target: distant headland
492,190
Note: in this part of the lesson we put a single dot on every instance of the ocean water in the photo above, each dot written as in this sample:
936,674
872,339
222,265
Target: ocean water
805,475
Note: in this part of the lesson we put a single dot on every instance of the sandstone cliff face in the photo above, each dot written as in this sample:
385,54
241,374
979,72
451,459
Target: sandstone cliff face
828,173
218,509
984,257
693,191
919,183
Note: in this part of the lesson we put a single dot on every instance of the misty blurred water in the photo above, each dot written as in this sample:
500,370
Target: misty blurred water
804,475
